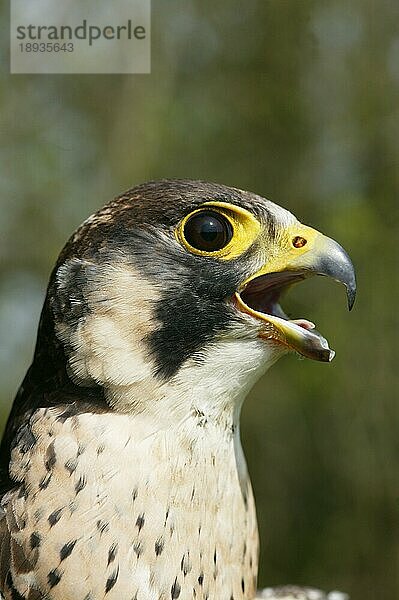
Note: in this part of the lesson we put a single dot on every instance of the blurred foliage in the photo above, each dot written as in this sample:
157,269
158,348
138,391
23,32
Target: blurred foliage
299,101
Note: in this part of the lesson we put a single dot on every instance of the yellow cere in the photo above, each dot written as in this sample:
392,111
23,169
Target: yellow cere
286,255
246,229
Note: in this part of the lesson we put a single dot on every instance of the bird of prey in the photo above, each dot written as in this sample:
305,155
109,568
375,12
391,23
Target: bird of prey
122,471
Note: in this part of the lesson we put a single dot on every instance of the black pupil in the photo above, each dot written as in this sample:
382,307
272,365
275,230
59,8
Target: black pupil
208,231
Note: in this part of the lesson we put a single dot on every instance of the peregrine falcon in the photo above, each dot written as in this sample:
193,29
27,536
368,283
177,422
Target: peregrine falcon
122,472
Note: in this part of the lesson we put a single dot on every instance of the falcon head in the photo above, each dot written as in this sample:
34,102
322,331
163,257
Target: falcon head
179,285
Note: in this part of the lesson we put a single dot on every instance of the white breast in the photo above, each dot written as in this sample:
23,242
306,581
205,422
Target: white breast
120,506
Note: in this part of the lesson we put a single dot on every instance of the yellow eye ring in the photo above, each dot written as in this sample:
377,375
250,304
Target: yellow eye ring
218,230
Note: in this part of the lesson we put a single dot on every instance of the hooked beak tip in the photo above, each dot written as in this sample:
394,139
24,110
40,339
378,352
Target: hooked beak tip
335,263
351,295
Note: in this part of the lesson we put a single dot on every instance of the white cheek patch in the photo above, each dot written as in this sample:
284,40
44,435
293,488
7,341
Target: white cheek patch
103,320
105,344
107,352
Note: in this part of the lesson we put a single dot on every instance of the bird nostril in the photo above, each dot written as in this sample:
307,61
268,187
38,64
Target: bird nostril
299,242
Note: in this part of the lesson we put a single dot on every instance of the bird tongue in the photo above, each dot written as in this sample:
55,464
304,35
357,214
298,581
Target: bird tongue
304,323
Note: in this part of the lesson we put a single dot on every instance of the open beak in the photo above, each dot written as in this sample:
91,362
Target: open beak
304,253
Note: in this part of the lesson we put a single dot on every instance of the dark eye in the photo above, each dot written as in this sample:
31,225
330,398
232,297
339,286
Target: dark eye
208,231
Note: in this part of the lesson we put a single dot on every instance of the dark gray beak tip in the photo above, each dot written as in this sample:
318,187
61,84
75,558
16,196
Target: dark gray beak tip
337,265
351,295
349,280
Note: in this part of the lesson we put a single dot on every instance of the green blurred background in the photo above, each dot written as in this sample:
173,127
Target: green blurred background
297,100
